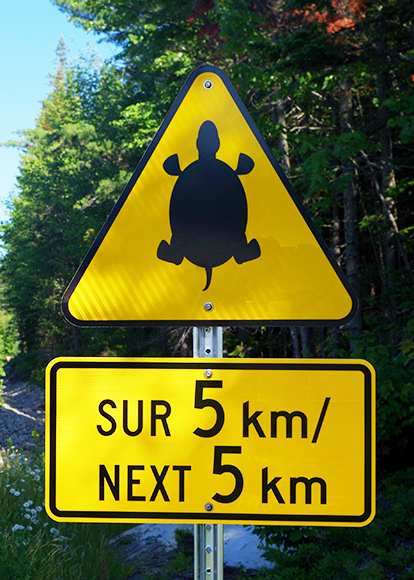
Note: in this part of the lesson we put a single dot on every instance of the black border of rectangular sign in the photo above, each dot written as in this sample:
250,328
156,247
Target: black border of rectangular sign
210,516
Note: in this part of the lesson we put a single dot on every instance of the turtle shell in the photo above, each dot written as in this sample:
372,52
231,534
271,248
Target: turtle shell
208,213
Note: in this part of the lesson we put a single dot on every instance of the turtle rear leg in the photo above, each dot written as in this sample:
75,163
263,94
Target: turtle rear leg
168,253
248,251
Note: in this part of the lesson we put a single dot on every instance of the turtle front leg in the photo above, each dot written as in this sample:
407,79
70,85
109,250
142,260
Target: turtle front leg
248,251
168,253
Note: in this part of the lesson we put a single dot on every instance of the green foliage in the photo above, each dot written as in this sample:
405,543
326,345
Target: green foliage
45,238
383,549
183,560
82,151
9,345
33,546
394,365
403,106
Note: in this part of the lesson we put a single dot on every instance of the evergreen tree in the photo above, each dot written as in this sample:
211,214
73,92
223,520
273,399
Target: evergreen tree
330,86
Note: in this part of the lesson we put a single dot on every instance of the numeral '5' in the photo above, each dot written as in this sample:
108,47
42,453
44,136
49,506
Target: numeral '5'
201,403
220,468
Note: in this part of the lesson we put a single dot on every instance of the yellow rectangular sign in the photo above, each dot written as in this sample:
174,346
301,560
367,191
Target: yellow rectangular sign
249,441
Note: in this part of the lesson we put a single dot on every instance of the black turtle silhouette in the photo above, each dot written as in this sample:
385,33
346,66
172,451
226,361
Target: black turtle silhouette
208,209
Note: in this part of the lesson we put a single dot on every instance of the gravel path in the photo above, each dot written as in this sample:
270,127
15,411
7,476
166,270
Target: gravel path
23,410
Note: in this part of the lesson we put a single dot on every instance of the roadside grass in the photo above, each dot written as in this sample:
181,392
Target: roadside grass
33,547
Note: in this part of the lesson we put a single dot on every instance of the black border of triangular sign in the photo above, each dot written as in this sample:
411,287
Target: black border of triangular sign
108,223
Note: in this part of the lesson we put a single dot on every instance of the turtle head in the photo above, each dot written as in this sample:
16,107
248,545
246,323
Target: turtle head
208,141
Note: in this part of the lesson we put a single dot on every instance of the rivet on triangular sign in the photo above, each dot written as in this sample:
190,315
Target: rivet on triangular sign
208,218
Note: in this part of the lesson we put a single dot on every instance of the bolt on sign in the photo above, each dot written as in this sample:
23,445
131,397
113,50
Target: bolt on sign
276,441
209,231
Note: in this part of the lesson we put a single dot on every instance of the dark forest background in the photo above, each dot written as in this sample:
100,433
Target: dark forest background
329,84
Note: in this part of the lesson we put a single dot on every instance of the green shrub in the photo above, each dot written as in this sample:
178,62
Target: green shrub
383,549
33,547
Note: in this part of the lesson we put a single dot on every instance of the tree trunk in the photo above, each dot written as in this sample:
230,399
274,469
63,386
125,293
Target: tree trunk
279,118
304,339
75,337
387,169
387,185
352,261
336,250
295,341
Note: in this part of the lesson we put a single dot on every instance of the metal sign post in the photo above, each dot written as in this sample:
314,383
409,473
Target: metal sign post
208,538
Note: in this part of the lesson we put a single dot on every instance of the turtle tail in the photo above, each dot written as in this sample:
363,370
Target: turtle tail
209,272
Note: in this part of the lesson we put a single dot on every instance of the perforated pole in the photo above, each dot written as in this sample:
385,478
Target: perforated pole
208,538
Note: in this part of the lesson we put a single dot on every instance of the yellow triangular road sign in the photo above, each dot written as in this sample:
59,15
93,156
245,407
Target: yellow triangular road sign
208,231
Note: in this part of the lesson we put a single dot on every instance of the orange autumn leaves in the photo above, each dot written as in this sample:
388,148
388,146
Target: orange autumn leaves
343,14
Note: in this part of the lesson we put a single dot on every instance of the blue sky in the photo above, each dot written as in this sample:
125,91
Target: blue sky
29,34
